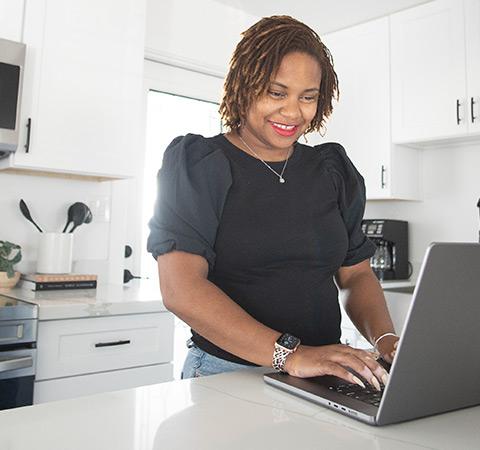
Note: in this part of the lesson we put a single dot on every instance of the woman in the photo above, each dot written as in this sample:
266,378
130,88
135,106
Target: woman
251,228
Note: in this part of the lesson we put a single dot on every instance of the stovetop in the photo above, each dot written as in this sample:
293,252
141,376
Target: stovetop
14,309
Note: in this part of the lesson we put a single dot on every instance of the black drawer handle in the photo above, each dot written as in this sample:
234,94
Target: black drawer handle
472,102
383,184
29,129
112,344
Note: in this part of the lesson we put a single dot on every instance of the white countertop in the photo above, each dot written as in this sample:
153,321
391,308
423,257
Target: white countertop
234,411
138,297
106,300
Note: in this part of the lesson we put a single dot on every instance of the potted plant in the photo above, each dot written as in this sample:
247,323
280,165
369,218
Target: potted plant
10,254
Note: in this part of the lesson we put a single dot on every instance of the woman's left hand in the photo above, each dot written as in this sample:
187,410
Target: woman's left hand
387,348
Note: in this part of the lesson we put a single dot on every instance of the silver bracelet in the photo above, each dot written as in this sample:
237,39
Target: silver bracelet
375,348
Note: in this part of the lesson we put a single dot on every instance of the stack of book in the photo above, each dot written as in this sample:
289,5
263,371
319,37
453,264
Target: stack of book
55,282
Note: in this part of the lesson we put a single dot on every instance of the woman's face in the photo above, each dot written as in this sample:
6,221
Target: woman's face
280,116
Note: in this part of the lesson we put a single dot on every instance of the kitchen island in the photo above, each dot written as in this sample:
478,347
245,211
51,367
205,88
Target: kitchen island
235,411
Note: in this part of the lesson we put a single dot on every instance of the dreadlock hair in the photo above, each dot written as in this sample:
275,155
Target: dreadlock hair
256,60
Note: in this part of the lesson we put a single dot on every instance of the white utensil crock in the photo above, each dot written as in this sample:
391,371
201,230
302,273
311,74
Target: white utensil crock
55,253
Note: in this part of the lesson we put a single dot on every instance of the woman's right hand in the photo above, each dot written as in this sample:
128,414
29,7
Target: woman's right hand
335,360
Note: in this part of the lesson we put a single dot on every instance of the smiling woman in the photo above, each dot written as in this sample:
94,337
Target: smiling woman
251,228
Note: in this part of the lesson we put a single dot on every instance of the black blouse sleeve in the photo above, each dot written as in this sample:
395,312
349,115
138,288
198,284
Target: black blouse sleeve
192,187
350,188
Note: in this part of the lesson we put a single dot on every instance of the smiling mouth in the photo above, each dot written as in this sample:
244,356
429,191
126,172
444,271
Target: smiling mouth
283,129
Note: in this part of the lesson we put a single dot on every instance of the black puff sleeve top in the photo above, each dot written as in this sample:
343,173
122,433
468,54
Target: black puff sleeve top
272,248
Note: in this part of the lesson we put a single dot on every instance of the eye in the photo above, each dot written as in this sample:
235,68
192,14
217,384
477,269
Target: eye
276,94
309,98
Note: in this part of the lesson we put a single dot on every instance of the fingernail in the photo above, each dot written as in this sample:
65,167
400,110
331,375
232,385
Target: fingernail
385,378
358,381
376,384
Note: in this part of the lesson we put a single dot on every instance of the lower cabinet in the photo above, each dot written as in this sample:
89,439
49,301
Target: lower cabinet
68,387
91,355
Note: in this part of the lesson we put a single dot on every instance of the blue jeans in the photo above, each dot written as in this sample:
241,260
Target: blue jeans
199,364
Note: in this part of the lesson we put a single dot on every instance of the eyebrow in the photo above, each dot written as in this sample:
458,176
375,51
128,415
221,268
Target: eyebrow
286,87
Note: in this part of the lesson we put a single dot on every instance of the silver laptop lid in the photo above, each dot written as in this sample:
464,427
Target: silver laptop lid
437,367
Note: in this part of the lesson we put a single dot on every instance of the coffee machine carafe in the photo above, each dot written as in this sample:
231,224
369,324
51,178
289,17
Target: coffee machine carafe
390,261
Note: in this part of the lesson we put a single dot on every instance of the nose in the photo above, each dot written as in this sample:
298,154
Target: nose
291,109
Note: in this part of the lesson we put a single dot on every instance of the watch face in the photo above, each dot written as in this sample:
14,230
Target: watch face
288,341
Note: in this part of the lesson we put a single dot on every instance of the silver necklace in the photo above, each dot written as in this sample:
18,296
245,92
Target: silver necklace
279,175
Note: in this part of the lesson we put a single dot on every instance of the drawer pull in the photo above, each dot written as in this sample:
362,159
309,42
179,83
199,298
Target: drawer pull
472,102
112,344
29,130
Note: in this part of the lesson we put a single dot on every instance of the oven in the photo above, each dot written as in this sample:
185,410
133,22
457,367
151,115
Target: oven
18,336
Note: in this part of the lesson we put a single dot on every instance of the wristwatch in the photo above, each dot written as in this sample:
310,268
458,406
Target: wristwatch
286,344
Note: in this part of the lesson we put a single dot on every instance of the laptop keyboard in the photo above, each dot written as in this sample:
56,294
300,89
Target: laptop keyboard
368,395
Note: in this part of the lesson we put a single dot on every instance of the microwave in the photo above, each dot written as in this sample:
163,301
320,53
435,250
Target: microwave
12,62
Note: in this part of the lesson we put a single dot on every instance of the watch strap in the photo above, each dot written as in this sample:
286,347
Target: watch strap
280,357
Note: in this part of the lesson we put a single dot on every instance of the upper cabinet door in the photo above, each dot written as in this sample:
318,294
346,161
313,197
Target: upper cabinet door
428,72
83,87
361,119
472,39
11,16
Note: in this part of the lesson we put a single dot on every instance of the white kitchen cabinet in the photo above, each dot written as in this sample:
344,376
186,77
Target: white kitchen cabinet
472,31
63,388
90,355
82,88
435,71
11,17
361,119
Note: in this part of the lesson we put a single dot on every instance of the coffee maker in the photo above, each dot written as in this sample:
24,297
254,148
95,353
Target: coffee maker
390,261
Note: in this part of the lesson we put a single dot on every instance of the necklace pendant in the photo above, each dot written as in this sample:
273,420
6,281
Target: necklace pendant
281,179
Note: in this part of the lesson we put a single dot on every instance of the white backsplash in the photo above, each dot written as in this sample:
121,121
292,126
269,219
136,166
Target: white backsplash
48,200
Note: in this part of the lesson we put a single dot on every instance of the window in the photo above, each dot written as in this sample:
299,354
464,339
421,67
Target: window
169,116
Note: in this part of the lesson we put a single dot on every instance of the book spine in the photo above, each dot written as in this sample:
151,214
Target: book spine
59,278
58,285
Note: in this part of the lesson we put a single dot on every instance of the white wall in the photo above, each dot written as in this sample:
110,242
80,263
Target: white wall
48,200
448,212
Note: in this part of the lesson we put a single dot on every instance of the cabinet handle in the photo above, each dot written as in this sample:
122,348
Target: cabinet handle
112,344
29,128
383,177
472,102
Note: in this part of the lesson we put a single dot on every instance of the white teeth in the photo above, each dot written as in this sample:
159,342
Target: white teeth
284,127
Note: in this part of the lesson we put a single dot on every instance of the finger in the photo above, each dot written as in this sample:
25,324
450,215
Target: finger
340,372
351,360
380,373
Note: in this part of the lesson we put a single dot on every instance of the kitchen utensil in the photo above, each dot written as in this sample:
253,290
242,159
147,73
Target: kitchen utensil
69,216
74,214
84,216
78,213
26,213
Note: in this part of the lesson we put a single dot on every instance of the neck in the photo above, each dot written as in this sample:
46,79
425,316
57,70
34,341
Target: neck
251,145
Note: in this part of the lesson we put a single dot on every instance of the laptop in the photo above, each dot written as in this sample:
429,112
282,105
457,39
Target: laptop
437,365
